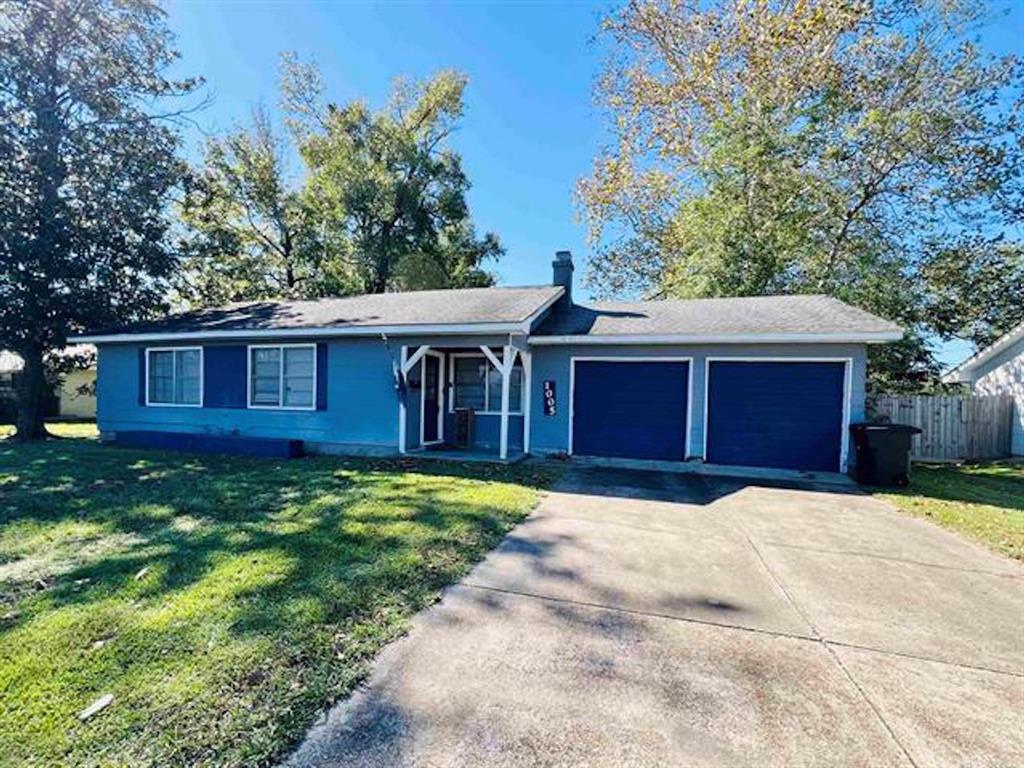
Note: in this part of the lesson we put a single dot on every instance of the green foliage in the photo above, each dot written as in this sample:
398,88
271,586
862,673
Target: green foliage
975,289
223,601
250,233
388,183
86,172
984,502
812,147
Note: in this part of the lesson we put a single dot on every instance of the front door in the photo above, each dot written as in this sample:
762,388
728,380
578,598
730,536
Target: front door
430,413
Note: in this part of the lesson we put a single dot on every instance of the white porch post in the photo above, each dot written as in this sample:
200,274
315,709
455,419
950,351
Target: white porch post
507,356
401,400
527,386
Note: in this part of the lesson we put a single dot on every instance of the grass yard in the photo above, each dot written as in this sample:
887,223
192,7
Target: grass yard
222,601
984,502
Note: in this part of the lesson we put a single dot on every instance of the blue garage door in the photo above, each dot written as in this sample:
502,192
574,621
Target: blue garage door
776,414
632,410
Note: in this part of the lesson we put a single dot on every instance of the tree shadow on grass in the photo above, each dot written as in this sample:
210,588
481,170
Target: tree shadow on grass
325,559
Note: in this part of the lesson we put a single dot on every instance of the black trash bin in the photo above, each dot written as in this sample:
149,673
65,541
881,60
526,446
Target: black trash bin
883,453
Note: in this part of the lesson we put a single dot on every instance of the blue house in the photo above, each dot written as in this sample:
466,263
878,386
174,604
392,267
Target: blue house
763,381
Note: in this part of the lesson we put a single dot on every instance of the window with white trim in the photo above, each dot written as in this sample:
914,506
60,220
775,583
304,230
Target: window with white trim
477,385
282,376
174,376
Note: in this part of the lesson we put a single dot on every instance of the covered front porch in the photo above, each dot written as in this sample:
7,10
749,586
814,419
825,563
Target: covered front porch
464,401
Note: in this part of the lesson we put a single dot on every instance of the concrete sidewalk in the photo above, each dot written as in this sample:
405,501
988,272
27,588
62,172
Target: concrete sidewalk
647,619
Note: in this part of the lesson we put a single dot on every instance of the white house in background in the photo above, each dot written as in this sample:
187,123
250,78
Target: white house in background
998,370
77,394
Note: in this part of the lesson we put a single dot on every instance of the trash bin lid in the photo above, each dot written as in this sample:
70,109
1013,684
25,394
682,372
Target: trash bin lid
881,426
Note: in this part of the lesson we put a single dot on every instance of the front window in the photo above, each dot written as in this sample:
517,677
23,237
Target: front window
477,385
282,376
174,376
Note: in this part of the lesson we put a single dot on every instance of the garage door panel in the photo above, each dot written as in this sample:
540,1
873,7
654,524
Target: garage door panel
632,410
776,414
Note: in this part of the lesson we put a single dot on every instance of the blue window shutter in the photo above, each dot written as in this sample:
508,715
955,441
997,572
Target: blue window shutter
321,376
142,375
224,372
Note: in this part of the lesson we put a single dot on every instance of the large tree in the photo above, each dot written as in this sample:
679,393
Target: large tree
389,183
249,231
86,168
765,146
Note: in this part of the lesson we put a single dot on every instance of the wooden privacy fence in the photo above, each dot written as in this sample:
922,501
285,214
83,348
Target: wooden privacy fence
953,427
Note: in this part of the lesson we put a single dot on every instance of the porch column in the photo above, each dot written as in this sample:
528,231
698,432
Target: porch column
527,386
401,399
504,367
507,357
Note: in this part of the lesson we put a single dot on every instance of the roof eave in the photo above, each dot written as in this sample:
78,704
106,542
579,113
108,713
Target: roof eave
867,337
961,373
308,333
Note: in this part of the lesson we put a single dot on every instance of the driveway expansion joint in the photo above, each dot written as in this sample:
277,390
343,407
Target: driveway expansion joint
835,656
891,558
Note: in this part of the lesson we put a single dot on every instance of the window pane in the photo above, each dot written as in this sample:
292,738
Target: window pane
161,377
515,395
469,382
298,391
186,386
298,362
266,376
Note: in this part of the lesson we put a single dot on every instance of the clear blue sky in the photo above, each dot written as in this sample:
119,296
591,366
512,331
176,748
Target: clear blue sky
530,129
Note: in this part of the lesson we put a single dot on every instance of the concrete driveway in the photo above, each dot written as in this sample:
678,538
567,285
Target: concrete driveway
645,619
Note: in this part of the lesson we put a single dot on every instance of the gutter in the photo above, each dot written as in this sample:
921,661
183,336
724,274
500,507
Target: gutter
870,337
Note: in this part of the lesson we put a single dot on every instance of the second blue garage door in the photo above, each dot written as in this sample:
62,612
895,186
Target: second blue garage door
787,415
632,410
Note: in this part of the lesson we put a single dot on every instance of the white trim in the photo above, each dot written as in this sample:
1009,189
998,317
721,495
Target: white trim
961,373
174,366
627,359
508,359
847,393
409,364
525,398
398,329
440,398
248,378
633,339
451,380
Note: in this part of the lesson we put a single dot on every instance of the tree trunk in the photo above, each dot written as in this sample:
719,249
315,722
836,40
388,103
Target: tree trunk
31,391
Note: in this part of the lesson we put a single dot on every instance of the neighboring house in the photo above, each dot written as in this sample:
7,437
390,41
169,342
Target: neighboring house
998,370
769,381
76,397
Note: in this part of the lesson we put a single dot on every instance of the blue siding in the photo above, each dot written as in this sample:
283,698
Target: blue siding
633,410
361,402
357,404
786,415
224,371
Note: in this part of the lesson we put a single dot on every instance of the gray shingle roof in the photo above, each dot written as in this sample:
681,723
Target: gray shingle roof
757,315
445,307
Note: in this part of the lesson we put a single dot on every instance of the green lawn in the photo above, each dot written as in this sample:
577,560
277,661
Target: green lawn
222,601
984,502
